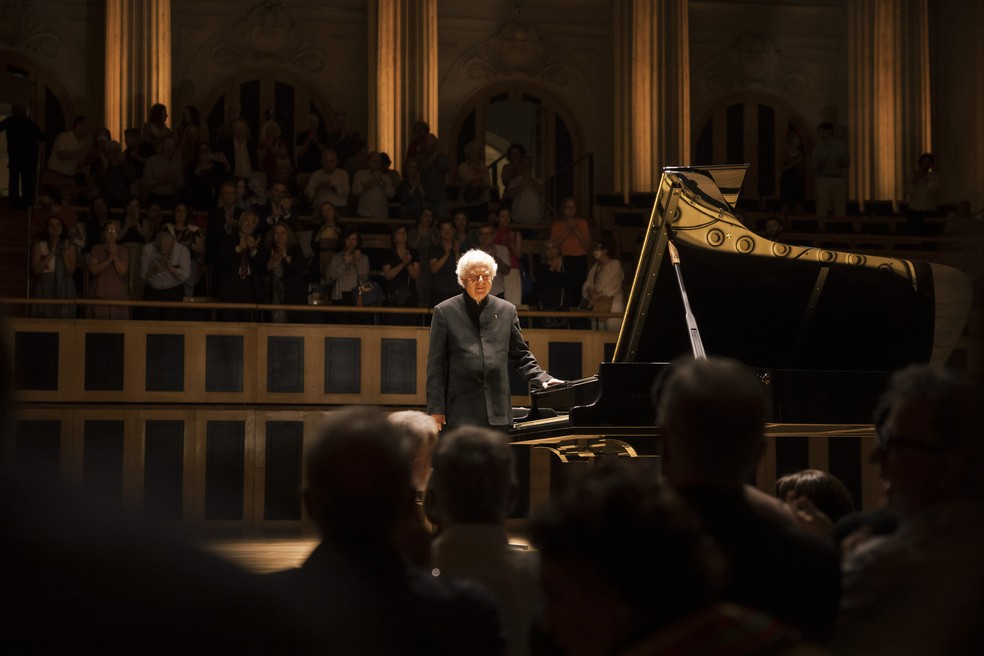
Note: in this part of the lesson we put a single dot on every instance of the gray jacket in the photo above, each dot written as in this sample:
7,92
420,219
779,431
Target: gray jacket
468,370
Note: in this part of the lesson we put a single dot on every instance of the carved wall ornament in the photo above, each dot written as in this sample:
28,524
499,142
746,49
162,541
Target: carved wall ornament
517,49
22,29
268,35
753,62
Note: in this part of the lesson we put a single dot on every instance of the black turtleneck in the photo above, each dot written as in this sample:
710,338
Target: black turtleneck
474,309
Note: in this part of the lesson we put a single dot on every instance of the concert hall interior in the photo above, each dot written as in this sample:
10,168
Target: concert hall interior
794,184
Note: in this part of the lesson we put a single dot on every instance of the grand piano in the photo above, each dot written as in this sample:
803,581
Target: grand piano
822,329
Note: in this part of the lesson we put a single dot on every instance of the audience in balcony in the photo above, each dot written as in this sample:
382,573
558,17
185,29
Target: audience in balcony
422,238
434,168
486,242
278,207
410,192
308,146
239,150
95,219
136,227
349,268
513,241
238,270
443,259
53,261
163,177
68,157
325,240
285,266
329,183
831,160
269,146
923,194
190,133
155,129
136,151
573,237
792,179
473,177
165,265
602,289
117,182
374,188
525,194
550,283
109,273
190,236
23,138
401,266
204,178
222,220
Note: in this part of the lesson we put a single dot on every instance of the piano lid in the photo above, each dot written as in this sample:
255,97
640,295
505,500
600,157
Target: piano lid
774,305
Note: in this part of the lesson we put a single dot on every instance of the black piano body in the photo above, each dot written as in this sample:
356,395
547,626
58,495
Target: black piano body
823,329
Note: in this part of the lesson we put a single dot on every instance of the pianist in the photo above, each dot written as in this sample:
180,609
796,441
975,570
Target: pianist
474,338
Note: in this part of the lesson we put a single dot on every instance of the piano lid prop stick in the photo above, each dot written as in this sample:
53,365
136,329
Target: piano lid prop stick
695,344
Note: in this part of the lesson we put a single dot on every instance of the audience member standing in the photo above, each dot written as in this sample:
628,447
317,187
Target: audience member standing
374,189
238,269
434,167
109,274
163,177
165,266
308,146
53,261
329,183
830,159
473,175
603,287
68,156
573,236
239,150
712,413
923,192
23,138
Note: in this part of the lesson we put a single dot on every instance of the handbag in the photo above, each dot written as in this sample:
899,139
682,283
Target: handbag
369,293
401,296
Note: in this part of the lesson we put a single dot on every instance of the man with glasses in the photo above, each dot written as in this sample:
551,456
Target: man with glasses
474,339
920,589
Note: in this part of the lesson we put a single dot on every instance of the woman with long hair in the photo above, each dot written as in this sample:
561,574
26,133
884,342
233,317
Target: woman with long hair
53,261
284,261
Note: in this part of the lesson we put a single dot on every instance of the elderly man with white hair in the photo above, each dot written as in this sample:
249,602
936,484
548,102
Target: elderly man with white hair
474,339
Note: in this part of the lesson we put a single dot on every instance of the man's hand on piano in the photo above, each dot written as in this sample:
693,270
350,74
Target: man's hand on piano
440,420
553,382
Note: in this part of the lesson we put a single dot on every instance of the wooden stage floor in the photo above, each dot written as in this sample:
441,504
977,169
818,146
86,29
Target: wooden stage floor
263,555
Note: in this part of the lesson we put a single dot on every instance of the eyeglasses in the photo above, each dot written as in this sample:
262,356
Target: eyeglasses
887,443
478,277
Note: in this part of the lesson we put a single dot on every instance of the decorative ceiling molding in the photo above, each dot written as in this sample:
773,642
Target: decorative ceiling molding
753,62
268,35
517,49
22,29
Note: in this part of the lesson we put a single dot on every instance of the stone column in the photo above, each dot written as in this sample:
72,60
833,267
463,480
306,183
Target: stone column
402,70
889,99
138,61
651,91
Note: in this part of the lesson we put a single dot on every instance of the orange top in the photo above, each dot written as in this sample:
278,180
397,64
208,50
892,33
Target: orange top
569,243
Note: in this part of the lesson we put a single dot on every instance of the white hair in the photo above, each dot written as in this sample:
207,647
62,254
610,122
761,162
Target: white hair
473,259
